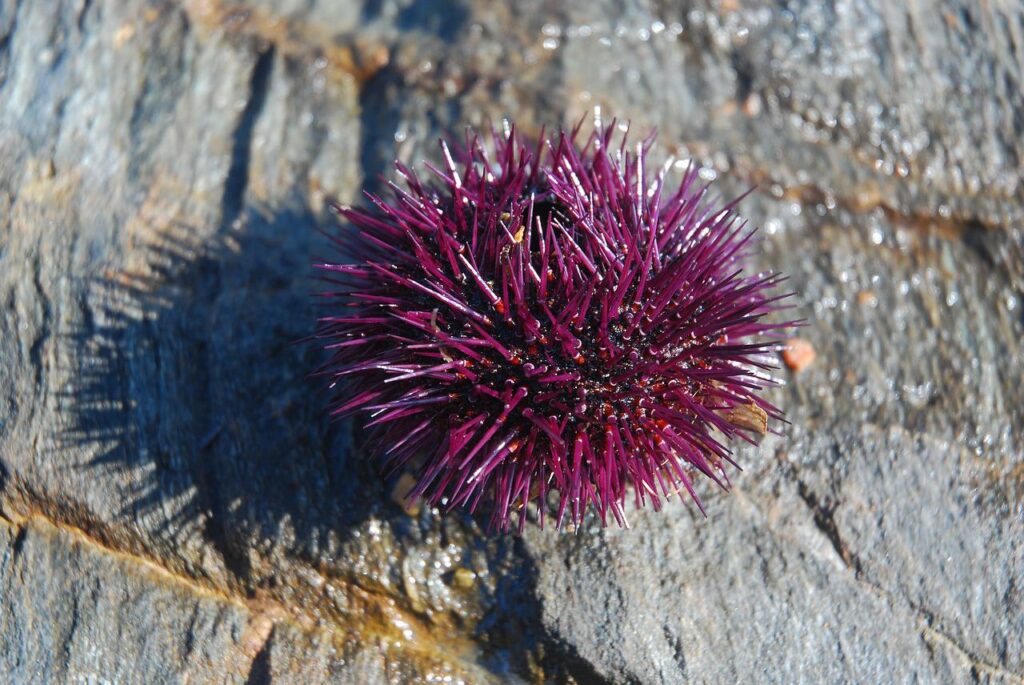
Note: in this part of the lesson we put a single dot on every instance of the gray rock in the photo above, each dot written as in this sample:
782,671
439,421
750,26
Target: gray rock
76,612
174,508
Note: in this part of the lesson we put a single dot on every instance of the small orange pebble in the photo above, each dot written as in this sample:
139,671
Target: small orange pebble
752,105
799,354
867,298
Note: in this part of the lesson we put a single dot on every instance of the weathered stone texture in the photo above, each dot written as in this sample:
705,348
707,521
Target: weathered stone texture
174,508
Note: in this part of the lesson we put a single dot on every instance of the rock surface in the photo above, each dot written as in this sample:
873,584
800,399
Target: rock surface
174,509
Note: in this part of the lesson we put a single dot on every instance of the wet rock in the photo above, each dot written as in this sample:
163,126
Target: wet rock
174,507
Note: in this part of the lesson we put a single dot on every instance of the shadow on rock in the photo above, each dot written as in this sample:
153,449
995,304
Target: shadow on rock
193,393
195,399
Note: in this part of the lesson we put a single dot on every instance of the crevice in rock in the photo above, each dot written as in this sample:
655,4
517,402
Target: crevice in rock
823,514
369,600
190,634
36,350
22,521
19,542
811,195
238,173
5,44
83,10
76,619
215,529
232,204
676,644
378,120
978,666
824,518
260,672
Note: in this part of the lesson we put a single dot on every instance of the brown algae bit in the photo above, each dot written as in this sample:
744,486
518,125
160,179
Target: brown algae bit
798,354
748,417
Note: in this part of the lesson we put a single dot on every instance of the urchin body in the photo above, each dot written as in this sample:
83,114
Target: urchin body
551,318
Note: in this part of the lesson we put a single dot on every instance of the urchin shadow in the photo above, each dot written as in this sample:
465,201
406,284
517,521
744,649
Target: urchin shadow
111,417
194,401
194,396
195,392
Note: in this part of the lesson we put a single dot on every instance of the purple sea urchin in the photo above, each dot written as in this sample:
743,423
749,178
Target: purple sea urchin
549,319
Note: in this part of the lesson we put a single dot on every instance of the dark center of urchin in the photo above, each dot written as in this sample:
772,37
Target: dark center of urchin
553,321
568,371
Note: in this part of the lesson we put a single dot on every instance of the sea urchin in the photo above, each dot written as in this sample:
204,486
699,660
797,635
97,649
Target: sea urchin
549,319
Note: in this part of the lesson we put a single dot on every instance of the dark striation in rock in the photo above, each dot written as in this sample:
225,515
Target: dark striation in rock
173,508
